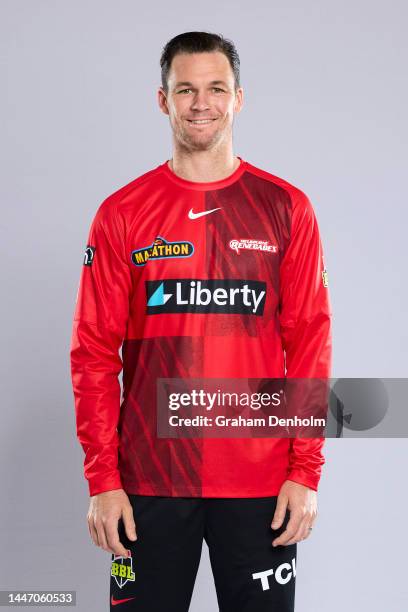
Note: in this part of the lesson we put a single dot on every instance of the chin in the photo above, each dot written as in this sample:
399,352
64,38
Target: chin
204,143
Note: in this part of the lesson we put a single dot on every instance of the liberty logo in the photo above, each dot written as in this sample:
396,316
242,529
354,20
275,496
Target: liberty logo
218,296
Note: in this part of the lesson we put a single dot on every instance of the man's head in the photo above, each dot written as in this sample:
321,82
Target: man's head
200,80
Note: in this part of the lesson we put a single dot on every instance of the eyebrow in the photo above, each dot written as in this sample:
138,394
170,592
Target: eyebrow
188,84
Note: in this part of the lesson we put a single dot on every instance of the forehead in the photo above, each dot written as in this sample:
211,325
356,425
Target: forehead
195,67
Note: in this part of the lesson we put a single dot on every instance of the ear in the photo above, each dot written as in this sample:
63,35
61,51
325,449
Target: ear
162,100
239,100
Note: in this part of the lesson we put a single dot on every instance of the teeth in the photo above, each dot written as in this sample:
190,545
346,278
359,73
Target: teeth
201,121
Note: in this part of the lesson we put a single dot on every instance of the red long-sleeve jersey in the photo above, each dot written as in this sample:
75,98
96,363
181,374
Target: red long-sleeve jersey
149,243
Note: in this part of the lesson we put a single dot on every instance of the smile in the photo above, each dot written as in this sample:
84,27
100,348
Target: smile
200,121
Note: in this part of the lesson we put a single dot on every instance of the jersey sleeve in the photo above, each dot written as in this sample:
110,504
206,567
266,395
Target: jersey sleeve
99,327
305,321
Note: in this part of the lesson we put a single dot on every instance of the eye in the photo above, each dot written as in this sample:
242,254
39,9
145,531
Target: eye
218,89
183,90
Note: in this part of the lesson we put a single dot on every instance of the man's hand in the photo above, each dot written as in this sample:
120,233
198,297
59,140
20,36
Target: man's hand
104,512
302,503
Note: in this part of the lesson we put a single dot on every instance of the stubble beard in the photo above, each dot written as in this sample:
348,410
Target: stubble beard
188,142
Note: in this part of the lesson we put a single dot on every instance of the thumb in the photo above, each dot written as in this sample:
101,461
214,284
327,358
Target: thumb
129,523
280,512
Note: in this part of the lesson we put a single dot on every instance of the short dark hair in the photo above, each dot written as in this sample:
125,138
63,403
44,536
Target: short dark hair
198,42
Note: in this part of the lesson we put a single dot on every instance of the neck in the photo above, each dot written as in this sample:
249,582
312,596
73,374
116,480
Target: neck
203,166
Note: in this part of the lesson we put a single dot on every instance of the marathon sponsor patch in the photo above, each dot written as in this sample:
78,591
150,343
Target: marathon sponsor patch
122,569
252,245
89,255
162,249
218,296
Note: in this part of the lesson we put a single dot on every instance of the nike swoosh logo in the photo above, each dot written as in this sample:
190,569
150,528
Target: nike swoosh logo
115,602
193,215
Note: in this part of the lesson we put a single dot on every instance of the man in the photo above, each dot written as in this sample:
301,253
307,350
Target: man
204,220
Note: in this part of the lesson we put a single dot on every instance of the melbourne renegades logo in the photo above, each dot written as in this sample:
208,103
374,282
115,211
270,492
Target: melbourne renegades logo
247,244
122,569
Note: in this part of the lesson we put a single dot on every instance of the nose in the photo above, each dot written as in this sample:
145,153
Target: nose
200,101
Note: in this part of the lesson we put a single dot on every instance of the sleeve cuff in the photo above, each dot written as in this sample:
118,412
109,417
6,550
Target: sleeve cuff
101,485
304,478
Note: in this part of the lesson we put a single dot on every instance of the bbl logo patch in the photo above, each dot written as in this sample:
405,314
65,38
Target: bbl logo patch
122,570
89,255
325,278
162,249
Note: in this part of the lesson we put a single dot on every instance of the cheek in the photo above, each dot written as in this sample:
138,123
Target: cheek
228,110
228,116
181,112
176,110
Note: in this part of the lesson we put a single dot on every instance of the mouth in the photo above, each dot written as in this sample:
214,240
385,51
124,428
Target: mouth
201,121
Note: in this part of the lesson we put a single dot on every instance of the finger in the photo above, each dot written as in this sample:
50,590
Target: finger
308,533
99,526
309,530
129,523
112,536
291,529
280,512
93,532
302,532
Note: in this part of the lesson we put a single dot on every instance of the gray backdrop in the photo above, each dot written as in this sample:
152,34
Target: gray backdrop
325,108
